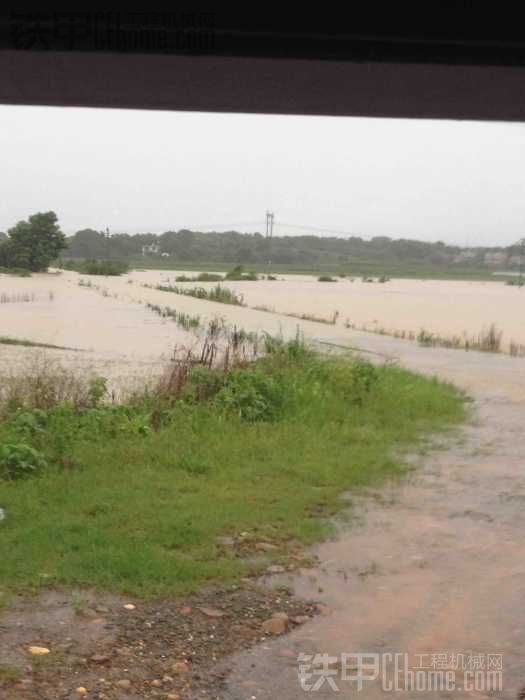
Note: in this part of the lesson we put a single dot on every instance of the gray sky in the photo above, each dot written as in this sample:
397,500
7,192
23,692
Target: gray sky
460,182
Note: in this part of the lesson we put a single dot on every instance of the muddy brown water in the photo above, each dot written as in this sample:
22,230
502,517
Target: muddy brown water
431,565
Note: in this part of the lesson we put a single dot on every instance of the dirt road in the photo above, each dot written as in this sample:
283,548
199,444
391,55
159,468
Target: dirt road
431,566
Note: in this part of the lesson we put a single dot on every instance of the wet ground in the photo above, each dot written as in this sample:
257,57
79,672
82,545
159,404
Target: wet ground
432,566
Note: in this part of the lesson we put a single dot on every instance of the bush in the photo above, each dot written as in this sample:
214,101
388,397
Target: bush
20,461
253,394
238,274
326,278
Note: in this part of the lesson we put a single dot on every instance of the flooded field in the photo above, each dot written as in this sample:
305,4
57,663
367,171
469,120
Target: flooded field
111,319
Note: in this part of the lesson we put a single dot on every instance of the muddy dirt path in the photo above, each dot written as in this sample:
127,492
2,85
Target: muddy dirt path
432,565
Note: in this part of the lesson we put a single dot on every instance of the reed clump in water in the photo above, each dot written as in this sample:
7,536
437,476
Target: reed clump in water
489,339
17,297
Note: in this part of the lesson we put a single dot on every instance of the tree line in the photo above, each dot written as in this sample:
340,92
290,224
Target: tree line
185,246
37,242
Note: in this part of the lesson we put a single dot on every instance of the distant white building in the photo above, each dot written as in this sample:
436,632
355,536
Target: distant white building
152,249
164,255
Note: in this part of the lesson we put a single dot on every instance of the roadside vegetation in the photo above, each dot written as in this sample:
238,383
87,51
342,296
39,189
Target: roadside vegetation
138,497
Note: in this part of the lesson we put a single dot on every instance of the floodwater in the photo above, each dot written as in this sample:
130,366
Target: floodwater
444,307
111,315
108,318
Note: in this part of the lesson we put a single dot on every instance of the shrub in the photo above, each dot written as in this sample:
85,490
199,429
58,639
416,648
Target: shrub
326,278
253,394
19,460
238,274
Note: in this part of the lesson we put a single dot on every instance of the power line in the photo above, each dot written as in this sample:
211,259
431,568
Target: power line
318,229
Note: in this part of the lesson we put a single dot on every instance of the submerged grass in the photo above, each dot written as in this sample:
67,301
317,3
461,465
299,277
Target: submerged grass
8,340
133,497
220,294
489,339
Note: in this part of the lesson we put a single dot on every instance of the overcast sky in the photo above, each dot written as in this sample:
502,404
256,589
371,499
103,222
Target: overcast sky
460,182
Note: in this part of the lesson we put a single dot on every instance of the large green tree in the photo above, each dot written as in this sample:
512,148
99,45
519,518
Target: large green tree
35,243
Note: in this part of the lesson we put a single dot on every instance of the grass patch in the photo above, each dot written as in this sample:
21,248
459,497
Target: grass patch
9,673
132,498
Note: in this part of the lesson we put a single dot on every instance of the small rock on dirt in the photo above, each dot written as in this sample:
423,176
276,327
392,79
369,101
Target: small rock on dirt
280,616
179,667
130,606
100,658
124,684
265,547
275,625
81,691
276,569
39,651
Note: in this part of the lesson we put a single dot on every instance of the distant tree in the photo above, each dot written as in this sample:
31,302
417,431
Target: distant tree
35,243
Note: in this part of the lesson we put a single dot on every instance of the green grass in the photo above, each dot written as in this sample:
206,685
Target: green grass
9,673
132,498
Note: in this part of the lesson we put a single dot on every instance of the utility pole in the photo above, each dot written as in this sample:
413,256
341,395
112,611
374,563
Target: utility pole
269,224
108,236
269,234
522,246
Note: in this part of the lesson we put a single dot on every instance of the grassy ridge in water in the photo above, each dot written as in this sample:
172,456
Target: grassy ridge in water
132,498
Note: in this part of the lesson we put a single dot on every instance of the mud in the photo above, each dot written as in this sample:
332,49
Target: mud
156,648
